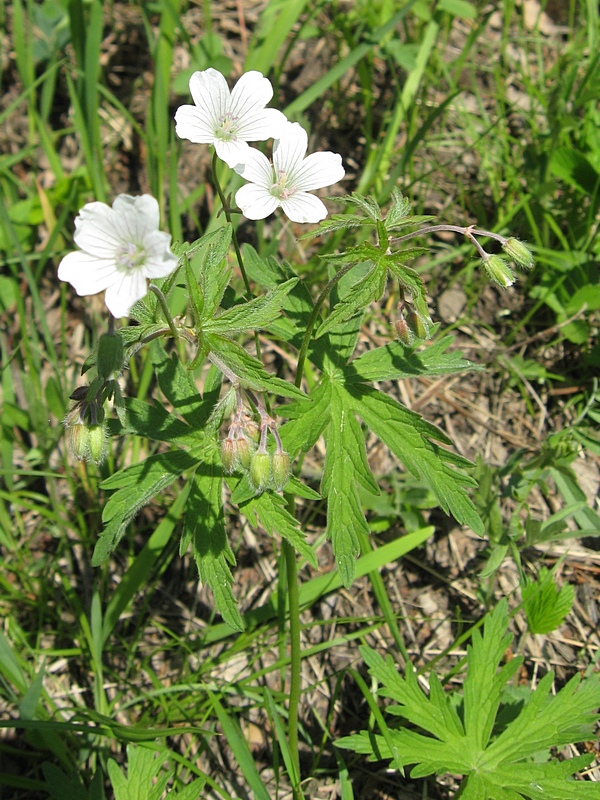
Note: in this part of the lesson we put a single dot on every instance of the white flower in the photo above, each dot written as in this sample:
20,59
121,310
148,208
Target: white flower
288,180
229,120
119,248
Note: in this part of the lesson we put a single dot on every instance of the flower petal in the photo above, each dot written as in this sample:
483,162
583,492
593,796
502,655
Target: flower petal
318,170
234,154
124,293
192,124
265,123
211,95
135,217
255,201
86,273
95,230
256,168
290,148
252,92
303,207
159,261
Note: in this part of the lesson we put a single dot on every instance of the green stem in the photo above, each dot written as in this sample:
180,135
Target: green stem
312,320
295,659
165,309
227,212
236,246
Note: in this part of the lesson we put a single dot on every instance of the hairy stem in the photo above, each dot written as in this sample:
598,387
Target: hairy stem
295,657
165,309
236,246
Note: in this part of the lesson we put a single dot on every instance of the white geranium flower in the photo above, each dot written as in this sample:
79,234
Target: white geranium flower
287,181
119,248
229,120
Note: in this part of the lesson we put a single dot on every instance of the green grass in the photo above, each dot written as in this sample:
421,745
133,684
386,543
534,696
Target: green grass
102,666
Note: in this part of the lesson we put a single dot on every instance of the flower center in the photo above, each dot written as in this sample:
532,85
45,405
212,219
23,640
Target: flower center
280,188
226,129
130,256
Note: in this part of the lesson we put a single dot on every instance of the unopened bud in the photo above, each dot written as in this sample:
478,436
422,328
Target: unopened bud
281,469
78,440
109,359
417,325
252,429
229,455
260,471
98,443
245,448
518,252
405,334
499,271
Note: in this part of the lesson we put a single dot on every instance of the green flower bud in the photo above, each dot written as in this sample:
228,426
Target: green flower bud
78,439
109,358
499,271
518,252
98,443
229,455
260,471
404,333
281,469
245,450
417,325
252,429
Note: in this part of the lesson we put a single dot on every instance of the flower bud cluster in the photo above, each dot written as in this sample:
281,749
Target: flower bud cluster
497,267
85,429
245,449
412,323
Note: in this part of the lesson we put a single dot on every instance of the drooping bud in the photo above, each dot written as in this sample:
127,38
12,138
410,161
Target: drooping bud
518,252
229,454
78,440
260,471
109,359
252,429
417,325
245,449
405,334
498,270
98,443
281,469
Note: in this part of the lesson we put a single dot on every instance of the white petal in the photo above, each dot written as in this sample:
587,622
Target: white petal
234,154
303,207
159,261
251,93
318,170
267,123
87,274
210,93
256,168
95,230
255,201
290,148
192,124
135,217
123,294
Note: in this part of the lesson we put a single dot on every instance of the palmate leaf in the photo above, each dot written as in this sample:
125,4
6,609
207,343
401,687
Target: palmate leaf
252,315
136,486
204,530
367,290
496,767
413,441
248,370
394,361
270,509
346,468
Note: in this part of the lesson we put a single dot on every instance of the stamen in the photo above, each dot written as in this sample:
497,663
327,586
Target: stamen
130,256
